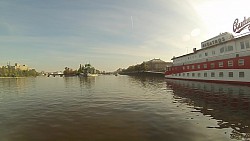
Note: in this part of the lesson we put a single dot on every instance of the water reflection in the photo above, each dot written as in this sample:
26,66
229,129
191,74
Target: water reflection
228,104
15,85
151,83
85,82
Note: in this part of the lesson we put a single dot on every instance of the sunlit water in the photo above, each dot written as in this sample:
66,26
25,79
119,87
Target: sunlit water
123,108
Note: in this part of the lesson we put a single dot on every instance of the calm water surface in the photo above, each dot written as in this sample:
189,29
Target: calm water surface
122,108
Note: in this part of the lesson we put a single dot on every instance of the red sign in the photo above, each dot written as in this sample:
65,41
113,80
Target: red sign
239,26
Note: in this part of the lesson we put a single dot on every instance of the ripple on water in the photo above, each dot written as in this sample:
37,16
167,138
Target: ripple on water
121,108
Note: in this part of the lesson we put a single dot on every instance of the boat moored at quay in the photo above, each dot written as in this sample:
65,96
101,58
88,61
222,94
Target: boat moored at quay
224,58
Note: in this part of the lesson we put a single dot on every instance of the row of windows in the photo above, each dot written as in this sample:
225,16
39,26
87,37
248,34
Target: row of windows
226,49
212,74
230,63
243,45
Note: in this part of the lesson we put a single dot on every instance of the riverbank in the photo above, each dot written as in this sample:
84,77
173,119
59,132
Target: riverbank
12,77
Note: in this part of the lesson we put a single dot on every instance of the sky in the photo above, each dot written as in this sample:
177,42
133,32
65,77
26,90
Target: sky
49,35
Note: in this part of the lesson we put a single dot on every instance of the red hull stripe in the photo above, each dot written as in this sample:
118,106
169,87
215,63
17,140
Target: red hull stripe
210,66
215,81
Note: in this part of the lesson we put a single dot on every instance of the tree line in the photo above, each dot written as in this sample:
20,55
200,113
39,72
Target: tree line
136,68
9,71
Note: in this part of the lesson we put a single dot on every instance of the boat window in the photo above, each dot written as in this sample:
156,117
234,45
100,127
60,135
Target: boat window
230,48
212,74
206,54
241,74
204,66
220,74
188,74
193,74
230,74
247,44
198,66
183,74
222,50
212,65
199,74
230,63
213,52
205,74
242,45
220,64
192,66
241,62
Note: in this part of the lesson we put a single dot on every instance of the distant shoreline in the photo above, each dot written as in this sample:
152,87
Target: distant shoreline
144,73
12,77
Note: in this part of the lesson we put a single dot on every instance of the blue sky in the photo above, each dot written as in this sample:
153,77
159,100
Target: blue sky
110,34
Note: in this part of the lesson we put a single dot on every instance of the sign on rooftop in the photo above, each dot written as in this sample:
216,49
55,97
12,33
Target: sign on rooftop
223,37
239,26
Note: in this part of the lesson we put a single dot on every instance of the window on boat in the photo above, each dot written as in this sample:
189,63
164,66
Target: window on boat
222,50
230,74
204,66
213,52
220,64
199,74
205,74
183,74
198,66
247,44
206,54
212,65
212,74
241,62
242,45
230,63
187,74
220,74
188,67
230,48
193,74
192,66
241,74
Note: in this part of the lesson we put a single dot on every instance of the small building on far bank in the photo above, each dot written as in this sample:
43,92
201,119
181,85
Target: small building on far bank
21,67
157,65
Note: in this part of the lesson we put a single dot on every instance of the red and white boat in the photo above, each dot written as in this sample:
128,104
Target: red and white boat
224,58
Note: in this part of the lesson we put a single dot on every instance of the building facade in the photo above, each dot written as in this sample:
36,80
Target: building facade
157,65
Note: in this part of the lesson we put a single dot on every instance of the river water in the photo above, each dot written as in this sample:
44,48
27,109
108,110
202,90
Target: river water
124,108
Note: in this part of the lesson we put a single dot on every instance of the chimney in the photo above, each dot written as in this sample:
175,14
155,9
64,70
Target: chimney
194,50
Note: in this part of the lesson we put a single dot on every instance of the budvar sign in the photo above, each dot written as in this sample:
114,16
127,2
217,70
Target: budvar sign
239,26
